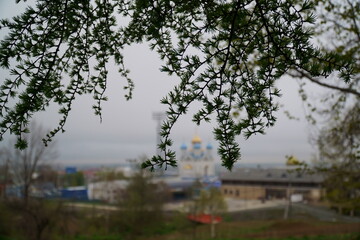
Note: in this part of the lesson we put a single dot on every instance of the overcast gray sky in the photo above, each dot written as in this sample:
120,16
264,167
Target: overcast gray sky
128,130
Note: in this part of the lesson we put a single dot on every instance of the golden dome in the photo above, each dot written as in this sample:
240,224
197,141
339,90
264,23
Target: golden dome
196,139
188,167
291,161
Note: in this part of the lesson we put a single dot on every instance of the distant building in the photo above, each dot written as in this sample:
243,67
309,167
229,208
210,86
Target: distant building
196,161
70,170
107,191
257,183
14,190
44,190
126,170
90,175
75,193
195,166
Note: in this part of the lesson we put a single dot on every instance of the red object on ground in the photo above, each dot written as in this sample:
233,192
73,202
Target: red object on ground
204,218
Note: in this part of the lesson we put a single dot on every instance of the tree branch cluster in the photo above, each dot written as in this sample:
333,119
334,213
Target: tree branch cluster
227,54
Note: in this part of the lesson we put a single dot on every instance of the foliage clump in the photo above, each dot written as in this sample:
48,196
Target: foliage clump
227,54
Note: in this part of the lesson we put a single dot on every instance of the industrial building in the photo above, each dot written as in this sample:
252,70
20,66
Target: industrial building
268,184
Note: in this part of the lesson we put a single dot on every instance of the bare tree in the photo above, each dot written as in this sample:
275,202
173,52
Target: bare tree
4,173
37,219
24,163
212,202
142,206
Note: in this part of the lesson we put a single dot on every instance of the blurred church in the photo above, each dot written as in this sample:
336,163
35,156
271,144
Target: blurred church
196,161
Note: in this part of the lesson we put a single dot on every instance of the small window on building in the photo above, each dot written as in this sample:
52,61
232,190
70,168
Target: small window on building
237,193
283,175
225,191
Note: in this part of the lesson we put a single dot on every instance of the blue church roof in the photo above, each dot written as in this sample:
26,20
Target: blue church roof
197,145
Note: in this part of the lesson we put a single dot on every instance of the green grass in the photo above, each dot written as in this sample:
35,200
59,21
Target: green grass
5,238
108,237
350,236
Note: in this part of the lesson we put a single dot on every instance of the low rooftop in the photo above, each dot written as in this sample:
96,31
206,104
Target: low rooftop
270,175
